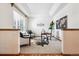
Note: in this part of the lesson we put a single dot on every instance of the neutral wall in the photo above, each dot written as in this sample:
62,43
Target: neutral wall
26,22
71,42
6,15
37,20
72,11
9,42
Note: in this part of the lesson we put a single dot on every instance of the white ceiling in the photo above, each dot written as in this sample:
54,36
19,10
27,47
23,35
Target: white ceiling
56,8
39,8
42,9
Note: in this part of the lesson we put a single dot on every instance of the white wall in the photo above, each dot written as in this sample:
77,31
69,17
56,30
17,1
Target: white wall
37,20
6,15
72,11
26,23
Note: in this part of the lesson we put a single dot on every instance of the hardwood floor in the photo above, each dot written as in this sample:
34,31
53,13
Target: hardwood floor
54,47
31,54
9,54
41,54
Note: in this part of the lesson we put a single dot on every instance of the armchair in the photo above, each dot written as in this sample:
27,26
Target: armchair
23,40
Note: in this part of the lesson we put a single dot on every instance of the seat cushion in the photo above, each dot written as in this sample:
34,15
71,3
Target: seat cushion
24,41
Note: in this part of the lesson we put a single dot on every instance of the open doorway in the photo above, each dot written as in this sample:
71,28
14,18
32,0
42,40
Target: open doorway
30,37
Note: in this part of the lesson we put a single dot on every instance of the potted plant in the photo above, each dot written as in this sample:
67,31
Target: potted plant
30,32
51,27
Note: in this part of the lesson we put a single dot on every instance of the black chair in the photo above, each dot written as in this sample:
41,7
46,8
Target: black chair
24,40
21,35
44,40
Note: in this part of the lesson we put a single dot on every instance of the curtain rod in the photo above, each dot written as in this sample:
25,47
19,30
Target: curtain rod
13,5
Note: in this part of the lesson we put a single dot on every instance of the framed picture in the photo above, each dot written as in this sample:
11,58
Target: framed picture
40,24
61,23
58,24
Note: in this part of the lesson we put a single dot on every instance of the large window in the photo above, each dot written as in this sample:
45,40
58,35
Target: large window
19,21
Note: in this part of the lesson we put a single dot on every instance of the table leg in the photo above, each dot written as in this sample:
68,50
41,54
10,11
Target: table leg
29,41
